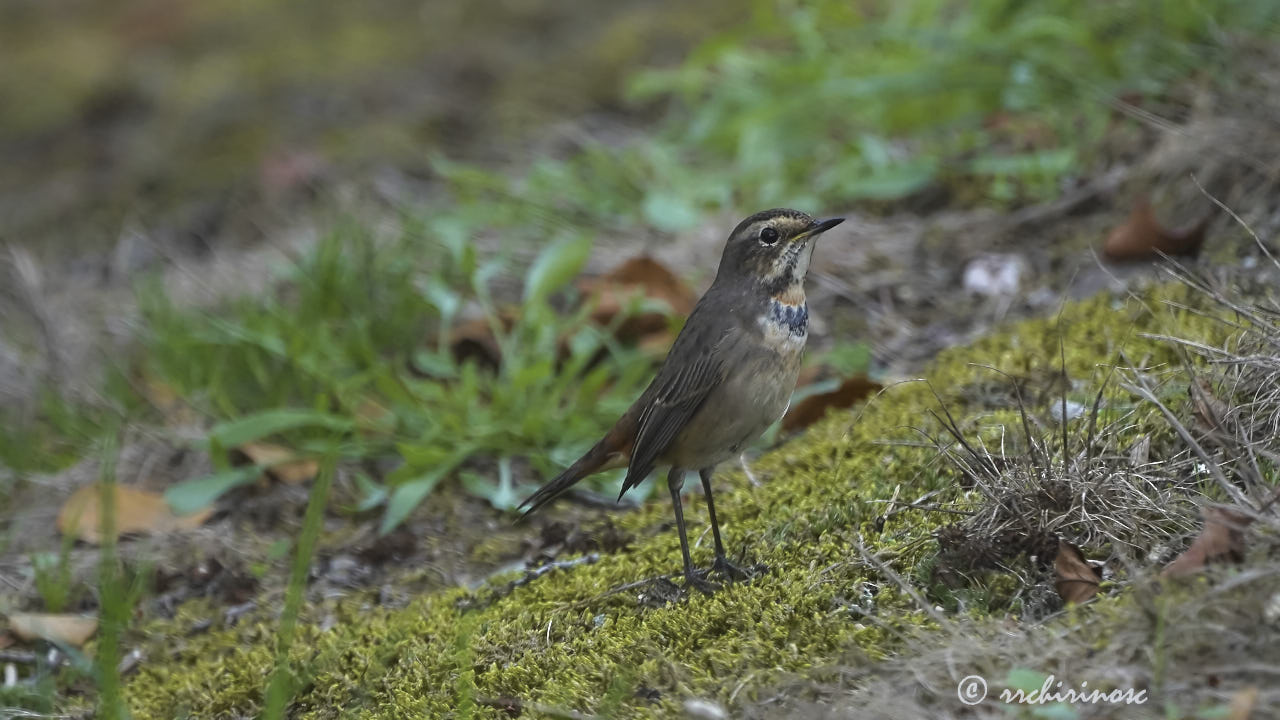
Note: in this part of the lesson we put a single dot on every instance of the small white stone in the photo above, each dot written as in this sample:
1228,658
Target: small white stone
994,275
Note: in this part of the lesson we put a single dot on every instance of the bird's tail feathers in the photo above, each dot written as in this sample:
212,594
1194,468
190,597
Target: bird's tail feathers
605,455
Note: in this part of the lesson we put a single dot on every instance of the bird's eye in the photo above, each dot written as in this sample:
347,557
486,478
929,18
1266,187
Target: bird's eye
768,236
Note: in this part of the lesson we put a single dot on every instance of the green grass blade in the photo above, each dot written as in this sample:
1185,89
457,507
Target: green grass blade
556,266
281,687
192,495
268,422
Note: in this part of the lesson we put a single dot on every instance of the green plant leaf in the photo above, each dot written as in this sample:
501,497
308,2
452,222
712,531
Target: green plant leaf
237,432
1025,679
848,358
198,493
1046,162
372,494
503,495
555,267
436,364
894,181
405,498
669,211
279,548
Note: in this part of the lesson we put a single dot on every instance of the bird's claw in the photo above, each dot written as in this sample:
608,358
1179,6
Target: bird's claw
700,583
731,571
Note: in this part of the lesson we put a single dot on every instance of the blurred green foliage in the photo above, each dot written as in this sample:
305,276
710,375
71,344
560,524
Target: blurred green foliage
823,103
366,324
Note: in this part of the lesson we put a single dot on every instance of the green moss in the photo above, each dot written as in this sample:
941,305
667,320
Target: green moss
565,638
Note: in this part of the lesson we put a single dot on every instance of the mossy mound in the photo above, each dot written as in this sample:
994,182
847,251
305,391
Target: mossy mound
590,639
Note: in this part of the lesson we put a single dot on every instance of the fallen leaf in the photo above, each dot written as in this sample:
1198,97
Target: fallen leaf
474,340
136,511
1142,237
612,293
73,630
163,396
1242,703
1222,539
1074,578
279,463
813,408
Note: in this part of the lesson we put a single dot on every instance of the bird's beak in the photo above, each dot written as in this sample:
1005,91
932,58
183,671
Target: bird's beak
820,226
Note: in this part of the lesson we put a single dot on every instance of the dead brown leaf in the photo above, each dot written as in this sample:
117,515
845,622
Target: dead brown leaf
1142,237
474,340
1074,578
166,399
642,276
813,408
136,511
73,630
281,464
1222,539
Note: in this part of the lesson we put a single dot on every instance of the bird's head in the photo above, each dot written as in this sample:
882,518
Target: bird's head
771,249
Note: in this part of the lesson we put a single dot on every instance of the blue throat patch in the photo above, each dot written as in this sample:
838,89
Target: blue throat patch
794,318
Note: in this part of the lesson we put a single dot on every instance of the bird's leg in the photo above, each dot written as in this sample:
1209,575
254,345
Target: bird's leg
675,481
722,564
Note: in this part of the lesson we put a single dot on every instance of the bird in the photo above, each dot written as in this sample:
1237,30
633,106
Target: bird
729,375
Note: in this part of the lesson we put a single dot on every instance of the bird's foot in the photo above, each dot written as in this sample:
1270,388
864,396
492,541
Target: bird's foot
735,572
729,570
698,581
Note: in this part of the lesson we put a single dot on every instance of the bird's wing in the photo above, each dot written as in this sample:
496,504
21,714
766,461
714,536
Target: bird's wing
676,395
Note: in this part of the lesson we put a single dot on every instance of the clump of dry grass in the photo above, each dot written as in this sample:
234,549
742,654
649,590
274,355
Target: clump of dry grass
1236,407
1096,488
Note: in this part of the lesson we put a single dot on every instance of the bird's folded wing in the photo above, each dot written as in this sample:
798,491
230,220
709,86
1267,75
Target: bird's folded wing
678,393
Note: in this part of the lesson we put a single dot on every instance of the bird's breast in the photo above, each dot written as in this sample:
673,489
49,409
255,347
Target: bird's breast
784,325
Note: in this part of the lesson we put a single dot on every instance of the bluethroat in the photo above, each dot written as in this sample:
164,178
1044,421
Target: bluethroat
728,377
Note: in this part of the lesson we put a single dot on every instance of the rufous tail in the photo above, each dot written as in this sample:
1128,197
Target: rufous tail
608,453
